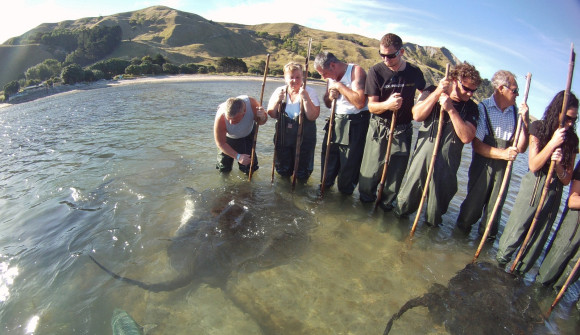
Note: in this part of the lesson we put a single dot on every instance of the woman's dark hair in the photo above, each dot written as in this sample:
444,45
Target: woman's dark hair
551,122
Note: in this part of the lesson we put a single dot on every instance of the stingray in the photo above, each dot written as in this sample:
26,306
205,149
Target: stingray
480,299
231,230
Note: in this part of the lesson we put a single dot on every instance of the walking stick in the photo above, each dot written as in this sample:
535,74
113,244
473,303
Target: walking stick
387,159
257,125
432,164
381,185
278,135
506,176
328,138
300,120
565,287
552,165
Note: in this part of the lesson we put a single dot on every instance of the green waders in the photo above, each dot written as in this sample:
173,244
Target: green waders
521,218
485,178
443,184
373,160
346,151
563,253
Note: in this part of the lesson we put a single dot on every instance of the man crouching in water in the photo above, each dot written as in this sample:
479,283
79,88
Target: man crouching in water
234,132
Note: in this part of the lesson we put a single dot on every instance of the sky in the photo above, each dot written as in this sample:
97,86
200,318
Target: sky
520,36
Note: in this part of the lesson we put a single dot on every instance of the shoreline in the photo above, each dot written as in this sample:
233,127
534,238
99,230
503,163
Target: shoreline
41,93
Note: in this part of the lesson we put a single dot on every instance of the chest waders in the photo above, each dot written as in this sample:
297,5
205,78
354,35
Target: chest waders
485,179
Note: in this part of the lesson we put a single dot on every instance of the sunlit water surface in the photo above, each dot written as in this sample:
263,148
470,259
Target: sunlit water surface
110,172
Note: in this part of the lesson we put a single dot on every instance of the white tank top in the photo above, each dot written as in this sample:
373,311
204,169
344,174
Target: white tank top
343,106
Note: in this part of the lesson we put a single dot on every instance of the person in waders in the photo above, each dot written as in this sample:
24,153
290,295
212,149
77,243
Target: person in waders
287,99
346,85
390,87
564,249
234,132
453,95
492,149
548,142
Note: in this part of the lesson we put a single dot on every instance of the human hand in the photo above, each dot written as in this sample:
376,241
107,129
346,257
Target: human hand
444,86
558,138
557,155
510,153
394,102
244,159
446,102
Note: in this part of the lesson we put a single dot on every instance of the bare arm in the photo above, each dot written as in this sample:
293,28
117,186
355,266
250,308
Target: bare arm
219,133
259,114
393,103
422,109
310,109
574,200
355,95
538,158
464,130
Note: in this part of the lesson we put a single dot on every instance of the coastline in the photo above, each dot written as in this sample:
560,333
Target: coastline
44,92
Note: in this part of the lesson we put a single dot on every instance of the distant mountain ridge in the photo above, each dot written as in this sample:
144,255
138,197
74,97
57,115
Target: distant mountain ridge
183,37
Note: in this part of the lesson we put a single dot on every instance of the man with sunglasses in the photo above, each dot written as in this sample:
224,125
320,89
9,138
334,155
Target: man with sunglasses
390,87
453,96
492,149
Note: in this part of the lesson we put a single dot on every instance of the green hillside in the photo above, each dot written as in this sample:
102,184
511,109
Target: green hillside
183,37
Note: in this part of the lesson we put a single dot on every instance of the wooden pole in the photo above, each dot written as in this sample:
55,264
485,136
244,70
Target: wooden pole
565,287
256,125
506,176
552,166
381,185
328,140
301,120
386,163
432,164
278,134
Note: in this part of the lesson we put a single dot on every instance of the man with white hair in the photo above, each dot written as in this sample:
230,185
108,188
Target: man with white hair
492,149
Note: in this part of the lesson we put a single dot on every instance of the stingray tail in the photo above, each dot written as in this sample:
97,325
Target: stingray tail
174,284
420,301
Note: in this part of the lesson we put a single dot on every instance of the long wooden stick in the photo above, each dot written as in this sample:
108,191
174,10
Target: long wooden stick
278,134
328,140
301,119
565,287
256,124
552,166
381,185
506,176
432,164
387,160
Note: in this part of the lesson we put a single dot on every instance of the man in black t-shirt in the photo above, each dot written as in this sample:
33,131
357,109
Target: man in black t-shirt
453,96
390,87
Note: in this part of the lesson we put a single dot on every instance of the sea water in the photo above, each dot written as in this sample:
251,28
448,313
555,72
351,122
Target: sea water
108,172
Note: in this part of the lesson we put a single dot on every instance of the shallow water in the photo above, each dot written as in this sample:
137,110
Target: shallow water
108,172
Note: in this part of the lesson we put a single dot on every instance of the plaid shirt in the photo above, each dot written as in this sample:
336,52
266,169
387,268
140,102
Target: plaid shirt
502,122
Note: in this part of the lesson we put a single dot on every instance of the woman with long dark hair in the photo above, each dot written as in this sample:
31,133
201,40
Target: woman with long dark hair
548,142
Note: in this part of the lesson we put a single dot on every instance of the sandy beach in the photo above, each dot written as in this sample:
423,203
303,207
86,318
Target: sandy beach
43,92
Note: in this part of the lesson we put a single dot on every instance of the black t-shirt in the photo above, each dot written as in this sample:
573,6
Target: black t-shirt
576,174
467,109
382,82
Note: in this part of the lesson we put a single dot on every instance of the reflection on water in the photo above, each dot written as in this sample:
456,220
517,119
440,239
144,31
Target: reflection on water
108,172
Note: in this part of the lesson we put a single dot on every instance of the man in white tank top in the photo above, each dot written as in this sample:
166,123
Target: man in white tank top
234,132
346,85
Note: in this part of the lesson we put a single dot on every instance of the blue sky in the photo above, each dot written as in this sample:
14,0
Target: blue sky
516,35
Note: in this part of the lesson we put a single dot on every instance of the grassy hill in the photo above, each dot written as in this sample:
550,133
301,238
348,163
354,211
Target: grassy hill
183,37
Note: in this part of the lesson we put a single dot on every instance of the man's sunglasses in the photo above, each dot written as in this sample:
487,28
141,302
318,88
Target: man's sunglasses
390,56
467,89
569,118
